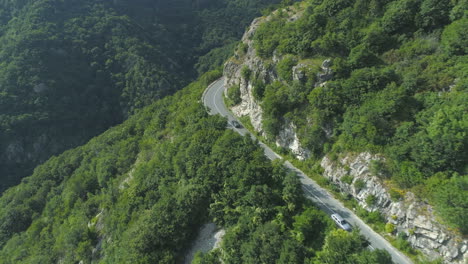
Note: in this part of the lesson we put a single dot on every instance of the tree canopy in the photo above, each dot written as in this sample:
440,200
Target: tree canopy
69,70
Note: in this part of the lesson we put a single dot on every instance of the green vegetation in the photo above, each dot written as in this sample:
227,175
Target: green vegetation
233,95
284,68
389,228
347,179
139,192
258,89
371,200
339,244
359,184
395,195
246,73
399,88
69,70
402,244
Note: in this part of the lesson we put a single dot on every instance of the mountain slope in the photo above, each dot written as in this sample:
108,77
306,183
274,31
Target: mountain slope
71,69
139,192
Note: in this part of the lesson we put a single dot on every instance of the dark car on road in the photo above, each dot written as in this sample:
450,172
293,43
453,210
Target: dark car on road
235,124
341,222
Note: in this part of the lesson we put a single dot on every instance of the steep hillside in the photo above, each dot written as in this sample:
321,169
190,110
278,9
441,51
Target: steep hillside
139,192
71,69
376,92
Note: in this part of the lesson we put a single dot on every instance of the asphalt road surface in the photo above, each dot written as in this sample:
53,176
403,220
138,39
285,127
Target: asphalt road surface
213,99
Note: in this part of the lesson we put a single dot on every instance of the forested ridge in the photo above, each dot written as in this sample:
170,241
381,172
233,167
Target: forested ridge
398,88
71,69
139,192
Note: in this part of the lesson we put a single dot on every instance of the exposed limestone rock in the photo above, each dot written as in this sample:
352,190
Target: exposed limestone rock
262,70
98,225
326,73
232,71
409,215
249,106
209,237
299,73
287,138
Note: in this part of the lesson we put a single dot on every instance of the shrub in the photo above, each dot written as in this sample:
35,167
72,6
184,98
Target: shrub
361,212
246,72
402,244
395,195
389,228
378,168
258,89
242,48
322,181
433,14
266,39
348,179
234,95
359,184
455,37
398,17
335,188
371,200
360,56
451,202
333,156
409,175
375,217
285,66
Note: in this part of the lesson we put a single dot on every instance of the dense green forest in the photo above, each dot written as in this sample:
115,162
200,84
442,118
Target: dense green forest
399,88
139,192
71,69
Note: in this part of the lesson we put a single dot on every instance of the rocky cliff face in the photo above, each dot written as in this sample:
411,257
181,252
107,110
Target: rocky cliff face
409,215
287,138
233,77
263,71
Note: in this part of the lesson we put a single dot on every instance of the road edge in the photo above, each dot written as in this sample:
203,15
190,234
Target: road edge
208,87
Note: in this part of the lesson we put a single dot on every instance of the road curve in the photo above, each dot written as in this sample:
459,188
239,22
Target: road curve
213,99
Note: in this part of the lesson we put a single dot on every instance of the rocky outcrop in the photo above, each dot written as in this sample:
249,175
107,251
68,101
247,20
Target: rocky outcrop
287,138
262,71
233,77
209,238
325,74
352,174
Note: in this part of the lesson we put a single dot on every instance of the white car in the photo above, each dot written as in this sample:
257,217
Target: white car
341,222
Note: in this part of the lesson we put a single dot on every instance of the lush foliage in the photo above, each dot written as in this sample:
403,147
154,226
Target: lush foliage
139,192
233,95
399,87
71,69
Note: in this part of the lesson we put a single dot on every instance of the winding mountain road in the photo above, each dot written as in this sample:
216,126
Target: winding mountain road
213,99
